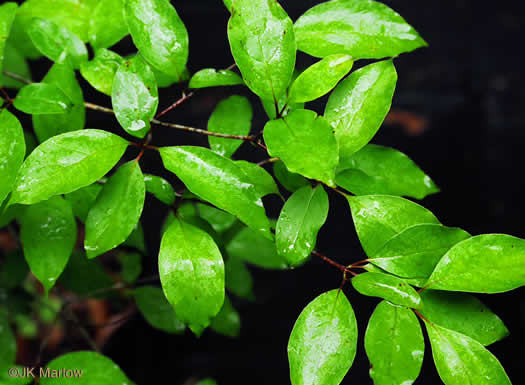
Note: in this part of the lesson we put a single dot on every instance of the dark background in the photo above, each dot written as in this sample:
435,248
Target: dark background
458,112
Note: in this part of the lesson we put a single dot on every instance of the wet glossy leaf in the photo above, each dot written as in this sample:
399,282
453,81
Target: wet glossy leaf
157,310
57,43
318,79
305,143
323,342
19,38
383,170
388,287
46,126
415,252
394,345
489,263
166,80
227,321
362,29
290,180
66,163
300,220
84,276
135,96
100,72
462,360
359,104
377,218
239,280
14,63
96,369
160,188
131,264
7,342
232,116
210,77
7,16
263,182
282,106
12,151
159,34
116,211
463,313
219,181
263,45
192,274
107,25
83,199
48,233
42,98
13,269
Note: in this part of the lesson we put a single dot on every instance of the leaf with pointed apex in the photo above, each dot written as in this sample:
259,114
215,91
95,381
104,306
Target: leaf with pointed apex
383,170
290,180
489,263
210,77
463,313
42,98
48,233
415,252
300,220
394,345
159,34
84,276
135,96
318,79
219,181
192,274
14,63
157,310
83,199
46,126
227,321
7,16
100,72
232,116
95,369
389,287
238,278
107,26
263,182
323,342
116,211
263,45
359,104
66,163
462,360
160,188
377,218
12,151
363,29
305,143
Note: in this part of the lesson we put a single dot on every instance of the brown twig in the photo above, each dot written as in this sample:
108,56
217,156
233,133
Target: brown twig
175,104
329,261
266,161
96,107
17,77
203,132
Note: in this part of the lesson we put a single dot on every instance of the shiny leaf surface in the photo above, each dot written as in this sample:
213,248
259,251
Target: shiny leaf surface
42,98
100,72
388,287
228,321
210,77
7,16
107,25
12,151
157,310
263,182
160,188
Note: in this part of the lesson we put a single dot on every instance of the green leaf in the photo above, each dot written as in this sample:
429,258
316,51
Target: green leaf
10,213
42,98
46,126
84,276
318,79
300,220
359,104
323,342
362,29
166,80
116,211
462,360
6,379
136,239
489,263
107,26
227,321
305,143
463,313
290,181
48,233
238,278
192,274
86,368
282,105
218,219
57,43
131,266
160,188
66,163
100,72
7,16
83,199
12,151
415,252
251,247
15,63
210,77
232,116
263,45
157,310
159,34
228,5
135,96
383,170
263,182
391,288
219,181
394,345
377,218
7,341
13,270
